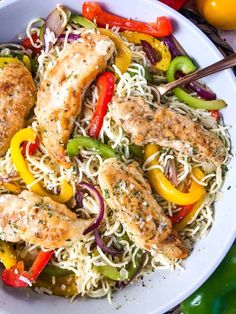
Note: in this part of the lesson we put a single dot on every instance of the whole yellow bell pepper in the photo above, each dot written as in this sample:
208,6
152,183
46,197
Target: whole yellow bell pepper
29,135
7,255
123,59
160,47
165,188
7,60
220,13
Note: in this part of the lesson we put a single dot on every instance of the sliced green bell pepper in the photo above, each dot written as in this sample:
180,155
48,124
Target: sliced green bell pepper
218,294
64,286
51,270
82,21
114,274
186,66
136,150
77,143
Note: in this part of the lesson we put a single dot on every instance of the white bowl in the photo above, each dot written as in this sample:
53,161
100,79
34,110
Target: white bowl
163,289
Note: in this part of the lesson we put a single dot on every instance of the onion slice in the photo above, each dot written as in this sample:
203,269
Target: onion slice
171,172
79,196
171,44
93,191
200,89
103,246
55,22
71,37
150,51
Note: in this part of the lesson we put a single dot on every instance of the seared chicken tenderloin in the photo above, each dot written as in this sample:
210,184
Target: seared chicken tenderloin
61,92
166,128
129,194
17,96
38,220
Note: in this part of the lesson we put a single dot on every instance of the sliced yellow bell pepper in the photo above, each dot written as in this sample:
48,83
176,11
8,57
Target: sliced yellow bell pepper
123,59
27,63
7,60
184,222
29,135
165,188
7,255
11,187
160,47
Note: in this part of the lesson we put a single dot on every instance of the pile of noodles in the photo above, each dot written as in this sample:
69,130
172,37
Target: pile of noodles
78,257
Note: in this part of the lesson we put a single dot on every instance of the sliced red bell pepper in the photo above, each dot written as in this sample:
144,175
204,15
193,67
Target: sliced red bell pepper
17,277
33,147
106,86
27,44
180,215
92,11
216,114
175,4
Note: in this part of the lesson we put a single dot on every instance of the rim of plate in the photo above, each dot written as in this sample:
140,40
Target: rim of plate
221,254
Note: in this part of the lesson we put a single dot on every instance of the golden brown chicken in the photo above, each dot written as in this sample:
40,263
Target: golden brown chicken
61,92
17,96
38,220
126,191
167,128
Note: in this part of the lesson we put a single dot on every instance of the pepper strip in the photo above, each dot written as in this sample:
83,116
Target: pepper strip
93,11
6,60
123,59
165,188
82,21
17,277
29,135
160,47
7,255
186,66
106,86
185,221
74,146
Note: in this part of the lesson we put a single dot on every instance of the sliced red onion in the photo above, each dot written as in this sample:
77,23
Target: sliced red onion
71,37
171,172
92,190
79,196
55,21
121,284
103,246
171,44
202,91
150,51
197,87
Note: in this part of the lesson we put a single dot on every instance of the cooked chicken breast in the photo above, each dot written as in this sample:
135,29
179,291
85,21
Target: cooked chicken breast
126,191
38,220
166,128
61,92
17,96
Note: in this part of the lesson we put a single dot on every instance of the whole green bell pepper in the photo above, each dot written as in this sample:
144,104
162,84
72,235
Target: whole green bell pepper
186,66
218,294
